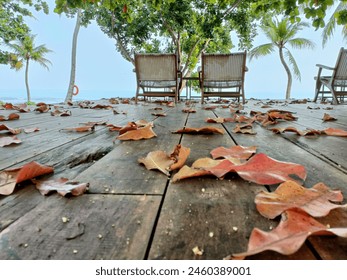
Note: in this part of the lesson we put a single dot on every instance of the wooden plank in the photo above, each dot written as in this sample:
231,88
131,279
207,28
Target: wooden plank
215,215
120,172
124,223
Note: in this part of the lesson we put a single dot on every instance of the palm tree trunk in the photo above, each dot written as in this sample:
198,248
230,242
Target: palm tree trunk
289,74
73,58
27,80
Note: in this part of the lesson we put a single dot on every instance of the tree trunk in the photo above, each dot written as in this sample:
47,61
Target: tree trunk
27,80
289,74
73,58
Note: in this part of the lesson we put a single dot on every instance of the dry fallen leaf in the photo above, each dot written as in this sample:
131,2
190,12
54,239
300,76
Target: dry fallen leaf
138,134
10,117
58,113
189,172
288,236
157,160
245,129
179,155
80,129
10,177
315,201
11,130
334,132
30,130
62,186
215,120
188,110
328,118
202,130
239,152
8,140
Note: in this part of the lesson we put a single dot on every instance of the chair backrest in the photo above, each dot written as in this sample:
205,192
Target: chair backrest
223,67
341,66
156,67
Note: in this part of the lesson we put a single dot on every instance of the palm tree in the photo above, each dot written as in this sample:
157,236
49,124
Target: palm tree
329,28
282,33
25,50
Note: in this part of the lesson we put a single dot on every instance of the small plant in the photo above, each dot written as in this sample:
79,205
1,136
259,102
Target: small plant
2,103
30,103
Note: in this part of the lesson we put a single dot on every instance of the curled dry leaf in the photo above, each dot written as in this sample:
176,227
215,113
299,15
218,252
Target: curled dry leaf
334,132
159,114
10,117
202,130
188,110
8,140
62,186
239,152
289,235
189,172
245,129
42,107
10,177
307,132
179,155
138,134
95,123
157,160
9,129
215,120
80,128
315,201
58,113
100,106
328,118
30,130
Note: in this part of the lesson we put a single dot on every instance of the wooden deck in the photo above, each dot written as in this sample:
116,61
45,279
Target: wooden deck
130,212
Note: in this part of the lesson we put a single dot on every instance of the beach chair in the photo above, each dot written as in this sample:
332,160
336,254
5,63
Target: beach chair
157,76
223,75
334,86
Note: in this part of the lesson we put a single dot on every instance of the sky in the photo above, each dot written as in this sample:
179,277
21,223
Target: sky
102,72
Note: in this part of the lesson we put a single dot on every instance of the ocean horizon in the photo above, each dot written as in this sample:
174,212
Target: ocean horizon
54,96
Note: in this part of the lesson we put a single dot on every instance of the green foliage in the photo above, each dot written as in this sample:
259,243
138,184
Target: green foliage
12,23
30,103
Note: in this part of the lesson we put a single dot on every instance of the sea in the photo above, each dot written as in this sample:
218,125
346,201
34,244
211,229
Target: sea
53,96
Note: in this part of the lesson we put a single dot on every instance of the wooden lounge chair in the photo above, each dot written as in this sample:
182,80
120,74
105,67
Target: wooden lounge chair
156,75
223,75
334,86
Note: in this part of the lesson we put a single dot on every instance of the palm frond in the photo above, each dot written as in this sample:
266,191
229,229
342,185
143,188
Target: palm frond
261,50
293,63
301,43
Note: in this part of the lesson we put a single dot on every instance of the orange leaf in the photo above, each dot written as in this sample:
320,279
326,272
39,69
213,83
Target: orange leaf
80,129
30,130
328,118
42,107
157,160
263,170
289,235
10,177
8,140
188,110
233,152
245,129
59,113
215,120
179,155
62,186
202,130
11,130
11,117
188,172
315,201
138,134
334,132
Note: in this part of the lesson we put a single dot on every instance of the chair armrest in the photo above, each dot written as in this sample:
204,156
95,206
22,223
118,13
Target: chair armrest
325,67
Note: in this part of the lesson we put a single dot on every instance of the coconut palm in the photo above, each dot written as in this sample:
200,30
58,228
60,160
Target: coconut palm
282,33
329,28
26,50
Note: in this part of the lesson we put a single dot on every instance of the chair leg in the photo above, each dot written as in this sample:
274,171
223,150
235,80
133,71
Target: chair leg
137,95
331,88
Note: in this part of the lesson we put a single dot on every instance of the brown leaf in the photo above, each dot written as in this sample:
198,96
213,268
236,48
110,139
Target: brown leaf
306,132
202,130
188,172
239,152
289,235
11,130
112,127
157,160
10,177
42,108
159,114
328,118
215,120
10,117
62,186
30,130
8,140
80,129
210,108
315,201
205,163
100,106
58,113
334,132
188,110
95,123
138,134
179,155
245,129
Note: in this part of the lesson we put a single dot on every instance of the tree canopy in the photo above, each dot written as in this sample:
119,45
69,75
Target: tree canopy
12,23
